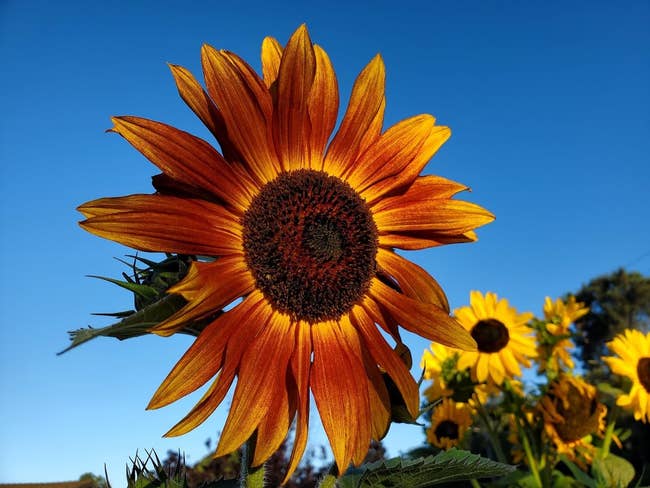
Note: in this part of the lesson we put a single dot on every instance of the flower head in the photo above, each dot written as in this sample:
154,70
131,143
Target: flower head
633,361
501,335
302,227
571,413
449,422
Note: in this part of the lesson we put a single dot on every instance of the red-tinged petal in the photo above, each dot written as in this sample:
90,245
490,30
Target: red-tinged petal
161,223
422,240
378,398
424,319
273,427
392,181
385,320
341,399
271,56
414,281
199,101
252,312
262,374
436,216
300,370
247,109
291,126
323,107
385,357
207,291
184,157
363,118
392,153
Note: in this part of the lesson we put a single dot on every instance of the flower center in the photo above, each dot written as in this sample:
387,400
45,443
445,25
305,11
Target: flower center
581,415
643,372
310,242
447,429
490,335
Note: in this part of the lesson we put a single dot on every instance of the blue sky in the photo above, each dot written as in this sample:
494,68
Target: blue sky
549,107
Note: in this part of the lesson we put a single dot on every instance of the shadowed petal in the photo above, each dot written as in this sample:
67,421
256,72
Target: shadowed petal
271,56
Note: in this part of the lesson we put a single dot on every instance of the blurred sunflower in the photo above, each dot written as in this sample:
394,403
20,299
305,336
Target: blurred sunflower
555,349
501,335
449,422
633,349
571,413
303,229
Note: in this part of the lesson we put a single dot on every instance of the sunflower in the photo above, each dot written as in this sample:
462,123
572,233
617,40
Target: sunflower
449,422
554,346
572,413
303,231
633,349
501,335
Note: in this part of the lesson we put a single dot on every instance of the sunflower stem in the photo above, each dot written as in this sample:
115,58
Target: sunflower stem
531,459
609,433
251,477
492,434
475,483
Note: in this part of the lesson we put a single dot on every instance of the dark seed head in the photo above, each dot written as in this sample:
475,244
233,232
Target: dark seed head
490,335
447,429
310,242
643,372
581,415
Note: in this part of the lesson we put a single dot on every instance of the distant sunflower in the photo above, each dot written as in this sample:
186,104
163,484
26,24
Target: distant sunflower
572,413
302,227
449,422
633,349
559,316
501,335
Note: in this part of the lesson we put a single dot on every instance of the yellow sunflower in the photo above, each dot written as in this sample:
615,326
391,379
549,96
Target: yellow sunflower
572,413
633,349
304,231
449,422
501,335
559,316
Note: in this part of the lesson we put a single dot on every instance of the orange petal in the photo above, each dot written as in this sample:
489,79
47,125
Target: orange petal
247,108
183,157
198,100
423,240
337,381
254,314
379,399
392,152
392,178
271,56
273,427
207,291
161,223
291,127
363,119
424,319
300,370
414,281
261,377
323,107
386,358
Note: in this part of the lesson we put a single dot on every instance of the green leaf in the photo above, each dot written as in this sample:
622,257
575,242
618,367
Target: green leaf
451,465
134,325
143,291
578,474
615,471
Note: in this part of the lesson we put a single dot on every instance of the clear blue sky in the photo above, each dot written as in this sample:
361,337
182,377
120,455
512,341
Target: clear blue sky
548,102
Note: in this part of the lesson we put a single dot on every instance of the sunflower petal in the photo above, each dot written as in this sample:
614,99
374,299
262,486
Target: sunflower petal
271,56
291,126
423,240
361,124
273,427
300,369
161,223
262,375
247,108
424,319
414,281
207,292
323,107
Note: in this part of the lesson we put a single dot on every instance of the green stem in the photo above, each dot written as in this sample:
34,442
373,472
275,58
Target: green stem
251,477
475,484
531,459
492,435
607,441
329,481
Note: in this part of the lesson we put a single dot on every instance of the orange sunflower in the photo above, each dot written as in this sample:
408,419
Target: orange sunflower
304,231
